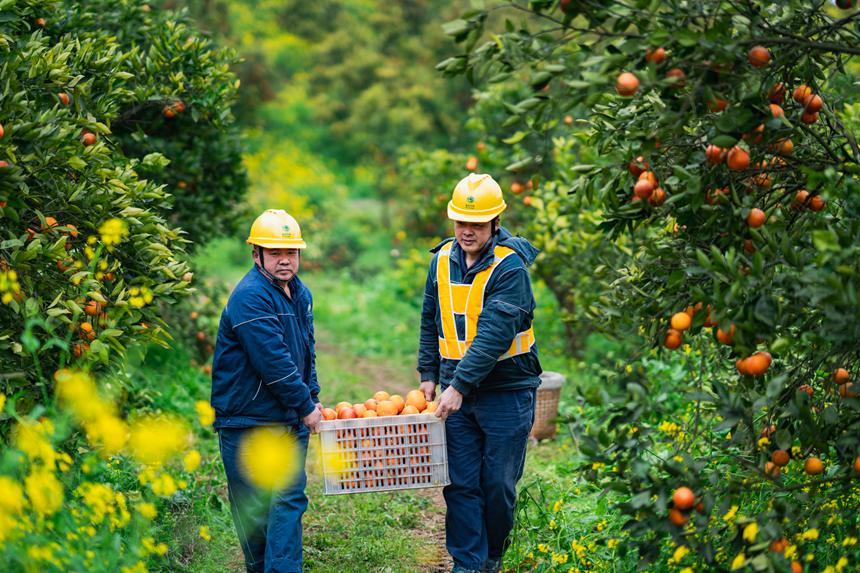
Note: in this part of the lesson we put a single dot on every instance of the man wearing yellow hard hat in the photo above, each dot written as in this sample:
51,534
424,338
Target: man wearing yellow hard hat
264,374
477,342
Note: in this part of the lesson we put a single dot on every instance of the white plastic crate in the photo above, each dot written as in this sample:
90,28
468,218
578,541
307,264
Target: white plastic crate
382,454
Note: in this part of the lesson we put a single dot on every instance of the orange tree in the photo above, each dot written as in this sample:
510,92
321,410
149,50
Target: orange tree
723,150
87,251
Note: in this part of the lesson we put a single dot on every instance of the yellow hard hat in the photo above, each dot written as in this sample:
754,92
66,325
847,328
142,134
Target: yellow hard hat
477,198
276,229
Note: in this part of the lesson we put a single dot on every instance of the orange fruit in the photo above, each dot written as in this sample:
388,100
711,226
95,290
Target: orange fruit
431,407
726,337
715,155
527,201
801,92
841,376
681,77
345,413
741,366
168,111
517,188
64,98
398,402
808,118
417,399
568,120
409,410
717,104
757,364
776,93
779,545
846,390
626,84
796,567
370,404
637,166
673,339
472,163
683,498
643,188
681,321
648,176
370,414
813,466
93,308
359,409
341,405
768,431
677,518
738,159
800,198
776,110
816,204
87,331
658,197
771,470
813,104
780,458
329,414
756,218
784,146
386,408
381,395
88,138
758,56
806,388
657,55
857,464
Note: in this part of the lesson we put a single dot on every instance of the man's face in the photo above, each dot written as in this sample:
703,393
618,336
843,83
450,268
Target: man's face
472,237
283,264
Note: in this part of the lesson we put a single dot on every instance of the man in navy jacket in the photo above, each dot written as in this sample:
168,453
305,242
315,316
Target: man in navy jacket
477,342
264,374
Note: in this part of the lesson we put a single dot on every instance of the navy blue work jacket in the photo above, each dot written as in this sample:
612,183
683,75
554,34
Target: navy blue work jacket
264,369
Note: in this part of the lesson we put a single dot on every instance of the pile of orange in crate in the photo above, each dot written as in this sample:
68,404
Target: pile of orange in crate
382,404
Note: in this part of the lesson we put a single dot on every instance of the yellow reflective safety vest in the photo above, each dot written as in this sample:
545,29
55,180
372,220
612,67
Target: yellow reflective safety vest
468,300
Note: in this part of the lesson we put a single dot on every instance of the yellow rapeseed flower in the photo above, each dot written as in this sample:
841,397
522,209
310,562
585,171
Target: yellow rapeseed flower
205,413
739,561
44,491
156,439
809,534
31,439
147,510
269,458
730,514
108,433
2,401
11,496
191,461
679,554
113,231
750,532
204,533
612,543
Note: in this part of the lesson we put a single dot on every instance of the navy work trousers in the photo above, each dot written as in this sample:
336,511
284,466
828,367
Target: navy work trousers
269,525
487,440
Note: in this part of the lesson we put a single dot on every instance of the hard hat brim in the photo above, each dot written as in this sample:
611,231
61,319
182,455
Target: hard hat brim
486,216
277,243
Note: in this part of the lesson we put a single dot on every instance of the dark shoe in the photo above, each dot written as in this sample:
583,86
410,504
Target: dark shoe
461,569
492,566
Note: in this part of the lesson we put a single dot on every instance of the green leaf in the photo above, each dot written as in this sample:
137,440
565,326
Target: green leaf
515,138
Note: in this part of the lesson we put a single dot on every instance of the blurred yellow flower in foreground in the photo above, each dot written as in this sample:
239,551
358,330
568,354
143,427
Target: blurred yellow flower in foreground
156,439
269,458
11,496
44,491
113,231
205,413
191,461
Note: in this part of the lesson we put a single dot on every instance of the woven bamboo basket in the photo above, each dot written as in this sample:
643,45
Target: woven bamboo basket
546,405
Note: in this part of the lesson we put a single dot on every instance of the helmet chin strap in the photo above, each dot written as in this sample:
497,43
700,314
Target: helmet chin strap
262,267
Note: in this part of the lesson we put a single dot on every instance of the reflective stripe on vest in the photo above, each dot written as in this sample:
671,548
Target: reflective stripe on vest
468,300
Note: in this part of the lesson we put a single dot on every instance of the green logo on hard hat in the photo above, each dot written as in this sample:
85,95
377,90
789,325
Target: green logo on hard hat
287,233
470,200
